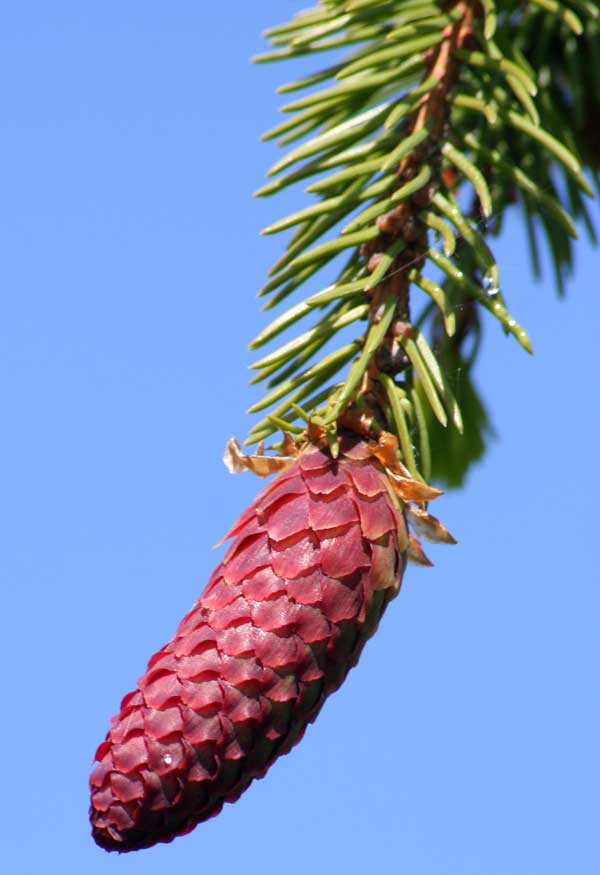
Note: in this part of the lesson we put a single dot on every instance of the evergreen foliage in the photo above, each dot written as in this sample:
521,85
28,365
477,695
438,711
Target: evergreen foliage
424,125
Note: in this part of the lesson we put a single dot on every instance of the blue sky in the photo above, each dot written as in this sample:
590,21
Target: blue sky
466,740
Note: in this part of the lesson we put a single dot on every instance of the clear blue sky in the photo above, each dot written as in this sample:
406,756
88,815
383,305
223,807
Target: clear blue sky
467,740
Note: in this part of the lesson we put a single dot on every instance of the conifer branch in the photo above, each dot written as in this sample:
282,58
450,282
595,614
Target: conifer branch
437,105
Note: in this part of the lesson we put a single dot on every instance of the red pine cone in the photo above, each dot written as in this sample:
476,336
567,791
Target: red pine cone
283,618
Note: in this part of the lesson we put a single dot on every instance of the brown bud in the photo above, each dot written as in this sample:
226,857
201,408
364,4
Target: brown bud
402,329
374,260
423,197
391,358
411,230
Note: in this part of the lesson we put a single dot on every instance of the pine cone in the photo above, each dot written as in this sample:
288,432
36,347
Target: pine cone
283,618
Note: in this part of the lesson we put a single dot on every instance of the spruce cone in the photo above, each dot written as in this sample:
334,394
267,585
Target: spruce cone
283,618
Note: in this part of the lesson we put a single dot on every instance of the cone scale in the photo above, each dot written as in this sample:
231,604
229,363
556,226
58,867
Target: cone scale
313,562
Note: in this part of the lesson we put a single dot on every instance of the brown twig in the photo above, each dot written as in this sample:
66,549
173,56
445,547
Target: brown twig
403,221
